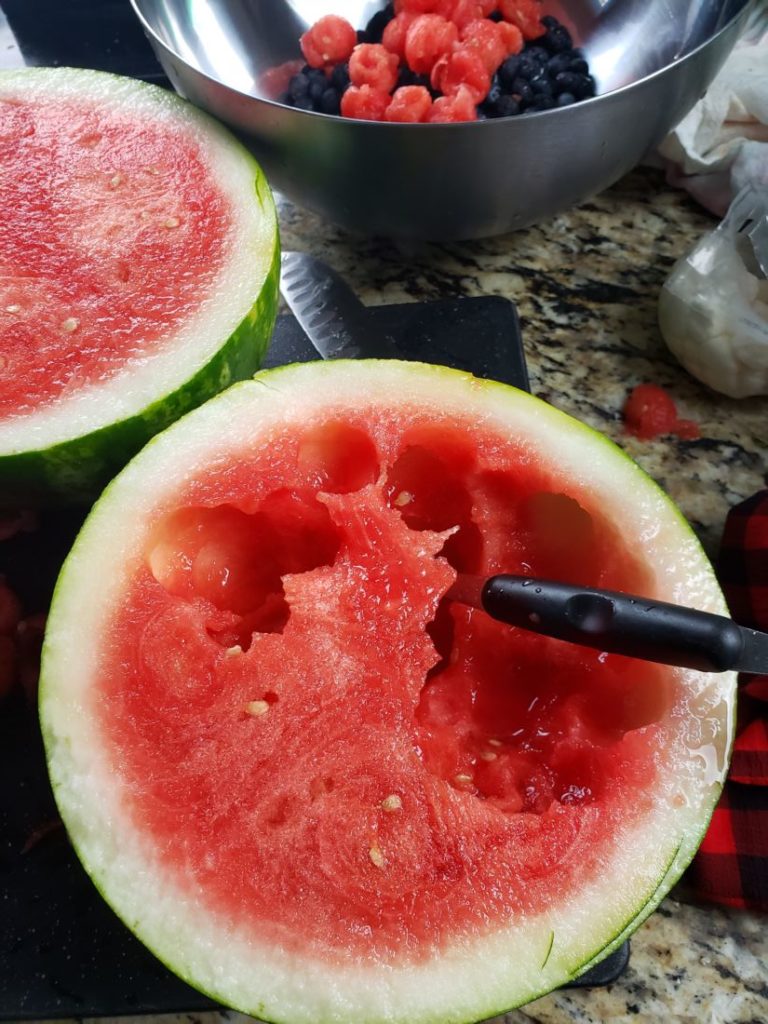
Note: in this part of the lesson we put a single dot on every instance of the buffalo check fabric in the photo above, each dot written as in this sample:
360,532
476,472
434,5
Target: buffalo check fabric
732,864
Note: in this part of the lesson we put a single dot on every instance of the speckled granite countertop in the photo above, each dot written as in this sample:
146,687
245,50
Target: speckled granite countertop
586,286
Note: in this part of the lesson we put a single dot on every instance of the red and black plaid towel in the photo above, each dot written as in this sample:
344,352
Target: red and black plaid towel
732,864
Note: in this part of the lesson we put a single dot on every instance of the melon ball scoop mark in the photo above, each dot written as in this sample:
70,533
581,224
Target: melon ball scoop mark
314,784
138,273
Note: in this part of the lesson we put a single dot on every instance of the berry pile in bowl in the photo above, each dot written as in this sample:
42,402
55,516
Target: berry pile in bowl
436,61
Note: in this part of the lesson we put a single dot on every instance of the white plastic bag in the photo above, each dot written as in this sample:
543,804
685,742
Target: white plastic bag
722,145
713,309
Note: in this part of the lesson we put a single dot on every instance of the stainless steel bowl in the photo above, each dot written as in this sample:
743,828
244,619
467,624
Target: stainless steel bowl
652,59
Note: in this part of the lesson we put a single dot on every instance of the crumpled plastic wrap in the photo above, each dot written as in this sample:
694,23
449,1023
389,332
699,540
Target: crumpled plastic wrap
722,145
713,308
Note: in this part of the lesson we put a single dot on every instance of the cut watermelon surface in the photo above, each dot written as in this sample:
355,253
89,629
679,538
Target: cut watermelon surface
138,272
317,787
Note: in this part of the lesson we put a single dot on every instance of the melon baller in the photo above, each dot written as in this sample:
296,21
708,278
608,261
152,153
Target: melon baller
618,623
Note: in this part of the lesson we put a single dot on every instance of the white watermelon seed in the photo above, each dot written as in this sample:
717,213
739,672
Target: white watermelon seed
391,802
13,309
495,743
257,708
377,857
230,652
462,779
488,755
171,222
116,180
70,324
403,498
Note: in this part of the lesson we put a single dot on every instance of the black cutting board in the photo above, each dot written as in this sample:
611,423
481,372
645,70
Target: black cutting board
101,34
63,953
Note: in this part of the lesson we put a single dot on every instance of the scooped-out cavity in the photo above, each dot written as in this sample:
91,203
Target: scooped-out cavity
338,458
511,717
234,561
342,705
505,715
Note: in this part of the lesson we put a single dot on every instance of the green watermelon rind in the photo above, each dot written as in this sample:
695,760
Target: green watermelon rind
678,859
76,470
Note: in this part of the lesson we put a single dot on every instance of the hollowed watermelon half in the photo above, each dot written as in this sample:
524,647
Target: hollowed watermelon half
317,787
138,273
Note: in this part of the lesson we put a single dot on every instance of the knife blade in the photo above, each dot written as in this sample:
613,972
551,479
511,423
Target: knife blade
329,311
754,655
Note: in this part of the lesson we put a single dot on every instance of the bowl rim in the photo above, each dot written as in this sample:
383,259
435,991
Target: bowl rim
455,126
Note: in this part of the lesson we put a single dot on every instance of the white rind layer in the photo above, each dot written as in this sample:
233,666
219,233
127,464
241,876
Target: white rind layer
249,254
480,975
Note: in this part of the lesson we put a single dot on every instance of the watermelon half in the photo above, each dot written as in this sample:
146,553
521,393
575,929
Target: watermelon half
316,787
138,273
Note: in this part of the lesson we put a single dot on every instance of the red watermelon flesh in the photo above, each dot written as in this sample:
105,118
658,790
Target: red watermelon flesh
325,748
114,234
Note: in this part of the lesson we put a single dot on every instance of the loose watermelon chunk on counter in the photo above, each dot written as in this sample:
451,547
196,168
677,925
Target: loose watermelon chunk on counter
138,273
311,782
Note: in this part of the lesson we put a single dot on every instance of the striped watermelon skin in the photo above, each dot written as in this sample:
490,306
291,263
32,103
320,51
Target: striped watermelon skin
75,469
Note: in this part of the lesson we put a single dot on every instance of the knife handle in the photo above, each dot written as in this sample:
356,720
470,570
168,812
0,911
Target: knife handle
617,623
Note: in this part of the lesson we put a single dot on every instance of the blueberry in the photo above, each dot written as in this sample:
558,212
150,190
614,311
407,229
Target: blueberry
567,81
496,16
298,87
316,90
286,99
542,86
579,66
304,103
312,74
541,103
557,39
340,77
529,68
507,106
549,21
362,36
522,89
565,99
580,85
495,91
508,71
407,77
559,63
330,102
537,54
374,30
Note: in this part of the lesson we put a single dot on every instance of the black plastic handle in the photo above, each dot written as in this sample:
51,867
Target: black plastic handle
617,623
